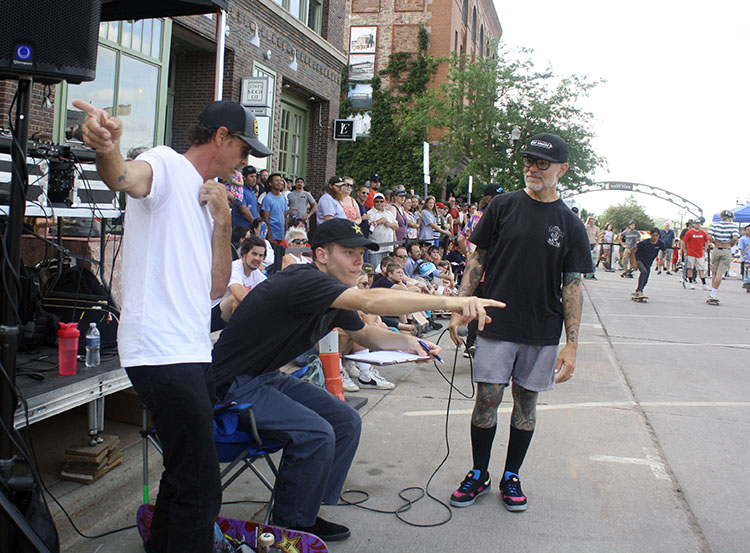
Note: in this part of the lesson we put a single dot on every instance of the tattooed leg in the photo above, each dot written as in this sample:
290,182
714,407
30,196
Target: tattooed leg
489,397
524,408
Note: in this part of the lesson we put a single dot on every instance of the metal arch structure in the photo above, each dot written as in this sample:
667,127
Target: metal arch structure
620,186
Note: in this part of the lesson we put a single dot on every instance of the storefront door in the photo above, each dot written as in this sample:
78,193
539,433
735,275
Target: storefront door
292,141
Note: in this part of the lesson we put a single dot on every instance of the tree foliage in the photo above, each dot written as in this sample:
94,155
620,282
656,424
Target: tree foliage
621,214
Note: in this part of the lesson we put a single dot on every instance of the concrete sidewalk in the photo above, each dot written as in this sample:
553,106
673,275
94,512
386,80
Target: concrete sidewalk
643,450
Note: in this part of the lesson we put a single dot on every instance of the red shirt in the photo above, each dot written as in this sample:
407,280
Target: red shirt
695,240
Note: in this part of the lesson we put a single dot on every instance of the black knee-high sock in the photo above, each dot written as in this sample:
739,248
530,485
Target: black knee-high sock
481,446
518,444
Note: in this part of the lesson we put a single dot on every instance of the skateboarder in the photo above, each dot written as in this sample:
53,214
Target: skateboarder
645,253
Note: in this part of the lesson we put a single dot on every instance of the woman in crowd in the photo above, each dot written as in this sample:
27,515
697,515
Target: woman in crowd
295,238
383,227
606,237
410,207
398,200
349,204
329,204
429,230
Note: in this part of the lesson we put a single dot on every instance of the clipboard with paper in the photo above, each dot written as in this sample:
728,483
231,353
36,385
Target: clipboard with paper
381,358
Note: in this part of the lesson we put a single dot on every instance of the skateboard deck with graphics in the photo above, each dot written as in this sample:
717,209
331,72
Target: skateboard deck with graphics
245,532
712,301
641,299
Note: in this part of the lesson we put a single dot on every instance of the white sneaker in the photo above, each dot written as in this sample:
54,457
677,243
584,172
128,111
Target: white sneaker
707,287
692,286
371,378
349,384
351,367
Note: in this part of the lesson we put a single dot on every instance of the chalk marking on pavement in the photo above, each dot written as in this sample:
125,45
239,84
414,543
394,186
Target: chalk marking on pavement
652,460
593,404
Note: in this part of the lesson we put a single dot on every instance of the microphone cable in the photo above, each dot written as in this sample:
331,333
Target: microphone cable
422,492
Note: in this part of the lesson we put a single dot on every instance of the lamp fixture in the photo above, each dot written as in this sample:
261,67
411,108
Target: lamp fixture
255,41
515,134
293,64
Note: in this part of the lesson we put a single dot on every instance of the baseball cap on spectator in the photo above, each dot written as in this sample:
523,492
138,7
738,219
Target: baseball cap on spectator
237,120
335,179
344,232
727,213
631,223
399,192
547,146
248,170
493,189
375,177
441,205
427,269
378,195
368,268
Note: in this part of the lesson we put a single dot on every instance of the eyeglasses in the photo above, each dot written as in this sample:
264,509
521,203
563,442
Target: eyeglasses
347,185
379,200
541,164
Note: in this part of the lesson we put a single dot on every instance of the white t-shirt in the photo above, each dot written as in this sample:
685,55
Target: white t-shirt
166,268
238,277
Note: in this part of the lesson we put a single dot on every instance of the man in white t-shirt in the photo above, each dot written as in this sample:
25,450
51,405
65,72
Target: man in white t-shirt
168,282
246,275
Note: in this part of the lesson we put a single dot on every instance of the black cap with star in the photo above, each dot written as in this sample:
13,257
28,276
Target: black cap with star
344,232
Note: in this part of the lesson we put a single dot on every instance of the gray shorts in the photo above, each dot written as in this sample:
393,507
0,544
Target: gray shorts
532,367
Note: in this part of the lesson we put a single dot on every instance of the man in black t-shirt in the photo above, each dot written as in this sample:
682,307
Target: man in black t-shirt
645,253
294,309
531,250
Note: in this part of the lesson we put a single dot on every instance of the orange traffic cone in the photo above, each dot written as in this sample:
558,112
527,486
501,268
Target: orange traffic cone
329,357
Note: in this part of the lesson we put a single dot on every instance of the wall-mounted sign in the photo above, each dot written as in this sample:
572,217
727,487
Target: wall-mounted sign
361,67
363,40
343,129
360,95
256,95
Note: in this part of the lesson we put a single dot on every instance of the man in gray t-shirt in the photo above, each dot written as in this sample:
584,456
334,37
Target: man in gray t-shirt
629,238
301,203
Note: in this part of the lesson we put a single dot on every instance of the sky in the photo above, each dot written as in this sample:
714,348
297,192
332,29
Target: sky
674,109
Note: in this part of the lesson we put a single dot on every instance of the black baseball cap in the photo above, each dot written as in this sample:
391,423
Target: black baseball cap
248,170
236,119
727,213
375,177
344,232
547,146
493,189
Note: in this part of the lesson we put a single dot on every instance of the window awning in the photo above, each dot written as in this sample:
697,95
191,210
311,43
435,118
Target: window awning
115,10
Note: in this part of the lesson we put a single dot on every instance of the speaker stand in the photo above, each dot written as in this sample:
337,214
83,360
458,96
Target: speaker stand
9,330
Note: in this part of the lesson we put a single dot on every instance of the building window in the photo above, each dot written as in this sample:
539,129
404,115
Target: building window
474,25
292,141
309,12
465,12
129,84
481,41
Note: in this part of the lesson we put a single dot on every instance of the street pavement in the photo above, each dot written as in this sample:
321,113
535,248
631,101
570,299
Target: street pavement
644,450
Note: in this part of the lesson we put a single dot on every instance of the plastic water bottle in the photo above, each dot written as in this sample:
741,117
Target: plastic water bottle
93,344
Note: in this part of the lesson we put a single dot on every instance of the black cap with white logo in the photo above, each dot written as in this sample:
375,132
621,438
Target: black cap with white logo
547,146
237,119
344,232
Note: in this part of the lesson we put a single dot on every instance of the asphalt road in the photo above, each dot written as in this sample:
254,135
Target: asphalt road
644,450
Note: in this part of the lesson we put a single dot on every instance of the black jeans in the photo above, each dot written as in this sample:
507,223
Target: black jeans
181,399
643,275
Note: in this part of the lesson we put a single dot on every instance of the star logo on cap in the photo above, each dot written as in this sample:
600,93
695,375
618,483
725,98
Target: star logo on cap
255,127
357,229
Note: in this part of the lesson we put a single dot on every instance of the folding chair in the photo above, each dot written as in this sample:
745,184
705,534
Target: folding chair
236,447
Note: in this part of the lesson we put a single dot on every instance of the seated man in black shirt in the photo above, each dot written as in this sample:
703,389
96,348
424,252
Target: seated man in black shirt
294,309
645,253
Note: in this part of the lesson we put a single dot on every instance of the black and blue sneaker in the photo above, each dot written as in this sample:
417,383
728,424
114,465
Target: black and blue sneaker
474,485
513,497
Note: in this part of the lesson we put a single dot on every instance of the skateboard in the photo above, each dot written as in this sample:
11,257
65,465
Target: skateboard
242,534
712,301
640,299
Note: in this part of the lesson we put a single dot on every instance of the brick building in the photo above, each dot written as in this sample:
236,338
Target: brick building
378,28
156,75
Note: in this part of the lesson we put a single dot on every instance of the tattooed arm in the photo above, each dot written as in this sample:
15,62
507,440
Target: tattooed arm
472,276
572,298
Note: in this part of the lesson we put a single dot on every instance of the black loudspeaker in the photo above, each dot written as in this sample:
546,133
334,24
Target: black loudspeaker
50,40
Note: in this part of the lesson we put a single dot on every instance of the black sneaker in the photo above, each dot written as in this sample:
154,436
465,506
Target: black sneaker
326,531
513,497
435,326
472,487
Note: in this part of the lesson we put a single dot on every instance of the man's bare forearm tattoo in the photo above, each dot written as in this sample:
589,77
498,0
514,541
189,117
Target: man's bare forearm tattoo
524,408
572,299
473,273
488,400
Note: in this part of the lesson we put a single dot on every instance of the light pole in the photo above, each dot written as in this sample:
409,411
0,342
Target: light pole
515,136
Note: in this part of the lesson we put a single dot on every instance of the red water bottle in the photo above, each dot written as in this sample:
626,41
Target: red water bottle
67,347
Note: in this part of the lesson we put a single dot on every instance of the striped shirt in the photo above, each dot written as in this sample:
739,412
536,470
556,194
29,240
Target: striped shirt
724,231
